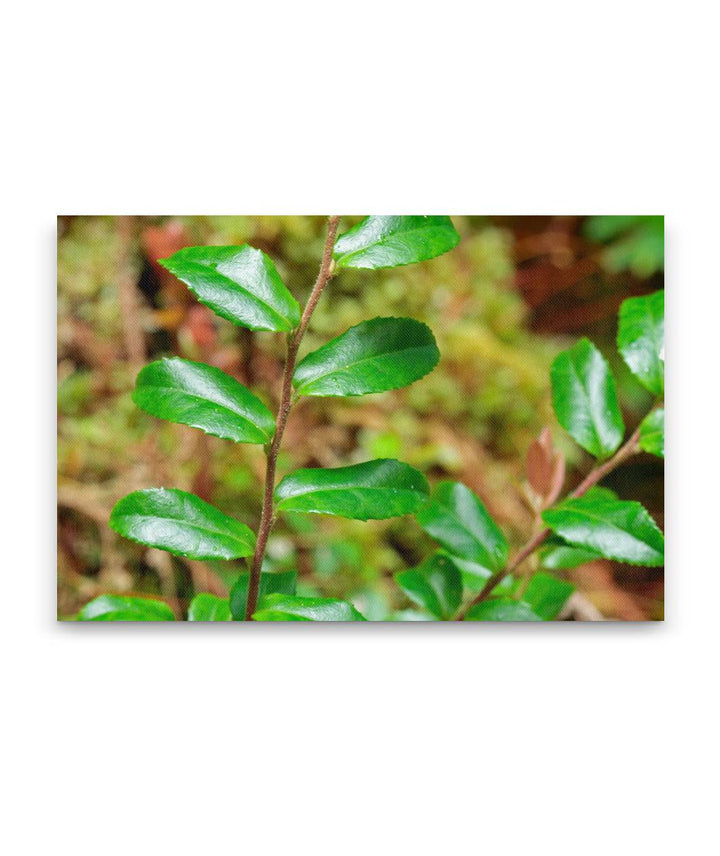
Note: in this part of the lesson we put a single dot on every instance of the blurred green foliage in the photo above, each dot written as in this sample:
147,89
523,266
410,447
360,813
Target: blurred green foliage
634,243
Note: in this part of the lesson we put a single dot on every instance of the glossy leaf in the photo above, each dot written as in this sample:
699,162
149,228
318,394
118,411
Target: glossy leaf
181,523
585,399
383,242
374,356
208,607
282,582
282,607
652,433
435,585
239,283
458,520
557,555
641,339
619,530
546,595
374,490
475,576
502,609
563,557
203,397
110,607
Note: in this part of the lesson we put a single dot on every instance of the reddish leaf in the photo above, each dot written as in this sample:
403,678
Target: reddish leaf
545,468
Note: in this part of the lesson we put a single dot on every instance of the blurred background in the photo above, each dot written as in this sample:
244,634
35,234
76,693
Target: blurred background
515,292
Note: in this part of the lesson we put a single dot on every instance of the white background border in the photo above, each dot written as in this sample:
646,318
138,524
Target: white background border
441,739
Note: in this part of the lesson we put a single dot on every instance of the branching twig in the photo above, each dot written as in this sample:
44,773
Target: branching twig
293,345
593,477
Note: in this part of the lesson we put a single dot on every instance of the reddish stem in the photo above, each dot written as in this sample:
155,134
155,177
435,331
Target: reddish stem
267,517
593,477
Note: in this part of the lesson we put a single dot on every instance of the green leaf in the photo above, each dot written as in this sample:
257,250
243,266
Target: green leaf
619,530
436,585
546,595
557,555
110,607
598,491
374,356
239,283
652,433
502,609
374,490
605,227
282,607
585,399
282,582
562,557
637,242
410,615
475,576
383,242
207,607
203,397
457,519
181,523
641,339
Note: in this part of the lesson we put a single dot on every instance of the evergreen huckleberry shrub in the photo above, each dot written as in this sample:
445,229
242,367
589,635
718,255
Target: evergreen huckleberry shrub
471,576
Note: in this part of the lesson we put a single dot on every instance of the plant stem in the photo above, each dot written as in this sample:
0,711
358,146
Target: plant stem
267,516
593,477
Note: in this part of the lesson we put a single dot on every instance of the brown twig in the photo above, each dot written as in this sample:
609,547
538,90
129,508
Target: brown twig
293,345
593,477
